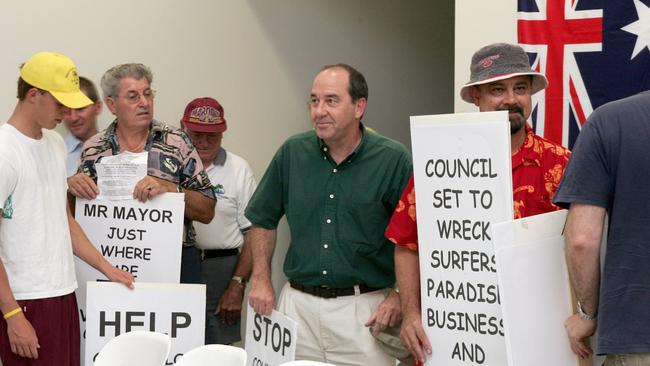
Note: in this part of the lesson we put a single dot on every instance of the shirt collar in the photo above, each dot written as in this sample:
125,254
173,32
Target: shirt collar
220,159
322,146
72,142
527,152
155,130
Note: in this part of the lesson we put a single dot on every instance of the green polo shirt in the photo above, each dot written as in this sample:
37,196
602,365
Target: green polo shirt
337,214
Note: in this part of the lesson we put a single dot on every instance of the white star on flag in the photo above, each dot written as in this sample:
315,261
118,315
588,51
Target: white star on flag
640,28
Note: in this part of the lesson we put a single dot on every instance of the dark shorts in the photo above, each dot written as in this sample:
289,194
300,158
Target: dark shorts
56,322
190,265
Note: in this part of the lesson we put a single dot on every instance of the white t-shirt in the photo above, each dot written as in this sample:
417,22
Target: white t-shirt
35,246
233,184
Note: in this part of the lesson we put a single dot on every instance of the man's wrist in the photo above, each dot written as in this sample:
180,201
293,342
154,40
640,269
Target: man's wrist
239,280
583,314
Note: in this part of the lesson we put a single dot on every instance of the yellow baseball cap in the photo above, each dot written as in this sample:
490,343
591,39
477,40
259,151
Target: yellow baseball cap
56,74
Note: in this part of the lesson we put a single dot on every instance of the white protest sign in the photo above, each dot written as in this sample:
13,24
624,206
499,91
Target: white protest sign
174,309
534,287
142,238
463,181
270,340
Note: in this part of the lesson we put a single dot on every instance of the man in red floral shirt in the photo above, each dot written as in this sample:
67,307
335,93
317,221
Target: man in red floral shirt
501,79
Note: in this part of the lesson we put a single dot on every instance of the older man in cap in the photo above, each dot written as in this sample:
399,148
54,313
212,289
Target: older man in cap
223,269
173,164
37,236
501,79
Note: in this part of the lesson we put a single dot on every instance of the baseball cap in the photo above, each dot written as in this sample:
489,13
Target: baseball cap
204,115
500,61
57,74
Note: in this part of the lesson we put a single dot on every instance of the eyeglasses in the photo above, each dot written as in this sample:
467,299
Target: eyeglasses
134,97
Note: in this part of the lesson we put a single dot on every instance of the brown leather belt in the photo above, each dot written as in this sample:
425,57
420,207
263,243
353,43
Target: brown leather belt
330,292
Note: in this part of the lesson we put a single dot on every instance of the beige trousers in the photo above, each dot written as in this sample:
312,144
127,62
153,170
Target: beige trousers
333,330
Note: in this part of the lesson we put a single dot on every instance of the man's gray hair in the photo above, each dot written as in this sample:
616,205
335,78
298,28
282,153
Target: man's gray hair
112,77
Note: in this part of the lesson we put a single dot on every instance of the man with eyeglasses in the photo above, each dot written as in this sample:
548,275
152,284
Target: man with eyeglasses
223,269
173,163
81,124
38,235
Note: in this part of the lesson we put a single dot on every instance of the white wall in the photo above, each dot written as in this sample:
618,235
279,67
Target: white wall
256,57
479,23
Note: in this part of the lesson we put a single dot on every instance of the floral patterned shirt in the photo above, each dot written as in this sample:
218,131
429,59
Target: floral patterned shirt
537,168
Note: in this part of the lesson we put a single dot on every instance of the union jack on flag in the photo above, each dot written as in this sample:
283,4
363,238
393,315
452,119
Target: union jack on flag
591,51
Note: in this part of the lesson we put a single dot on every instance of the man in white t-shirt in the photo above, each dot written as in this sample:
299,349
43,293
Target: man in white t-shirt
223,269
38,235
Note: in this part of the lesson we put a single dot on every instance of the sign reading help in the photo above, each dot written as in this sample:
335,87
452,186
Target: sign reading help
174,309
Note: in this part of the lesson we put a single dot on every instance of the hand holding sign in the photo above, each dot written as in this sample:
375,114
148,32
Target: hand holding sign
262,297
150,187
579,331
270,340
81,185
413,336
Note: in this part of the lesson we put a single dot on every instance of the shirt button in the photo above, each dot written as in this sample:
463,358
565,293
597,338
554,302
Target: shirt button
331,196
325,246
325,148
328,221
334,170
324,272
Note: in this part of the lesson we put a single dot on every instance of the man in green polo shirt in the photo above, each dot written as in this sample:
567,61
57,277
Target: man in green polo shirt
338,185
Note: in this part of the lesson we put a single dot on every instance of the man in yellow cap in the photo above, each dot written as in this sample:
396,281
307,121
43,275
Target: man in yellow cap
38,235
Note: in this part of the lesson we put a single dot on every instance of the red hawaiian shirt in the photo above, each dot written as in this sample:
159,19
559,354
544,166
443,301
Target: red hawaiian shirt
536,171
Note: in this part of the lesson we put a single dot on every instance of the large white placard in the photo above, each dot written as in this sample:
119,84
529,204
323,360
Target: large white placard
463,181
174,309
535,292
142,238
270,340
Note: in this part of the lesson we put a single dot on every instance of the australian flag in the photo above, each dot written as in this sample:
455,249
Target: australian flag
591,51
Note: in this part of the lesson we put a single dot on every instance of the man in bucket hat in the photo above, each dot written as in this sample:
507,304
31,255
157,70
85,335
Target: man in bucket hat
37,236
223,270
501,79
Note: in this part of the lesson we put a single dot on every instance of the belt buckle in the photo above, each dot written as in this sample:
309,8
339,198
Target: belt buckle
327,292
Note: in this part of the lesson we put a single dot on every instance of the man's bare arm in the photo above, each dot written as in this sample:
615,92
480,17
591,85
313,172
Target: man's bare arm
262,296
230,303
407,271
22,337
83,249
582,236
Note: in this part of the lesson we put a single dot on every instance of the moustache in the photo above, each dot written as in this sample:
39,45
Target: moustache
513,109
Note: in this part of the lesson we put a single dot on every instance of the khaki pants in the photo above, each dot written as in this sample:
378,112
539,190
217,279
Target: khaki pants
333,330
628,359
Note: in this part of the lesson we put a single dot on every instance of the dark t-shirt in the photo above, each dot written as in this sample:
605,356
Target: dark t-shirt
610,168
